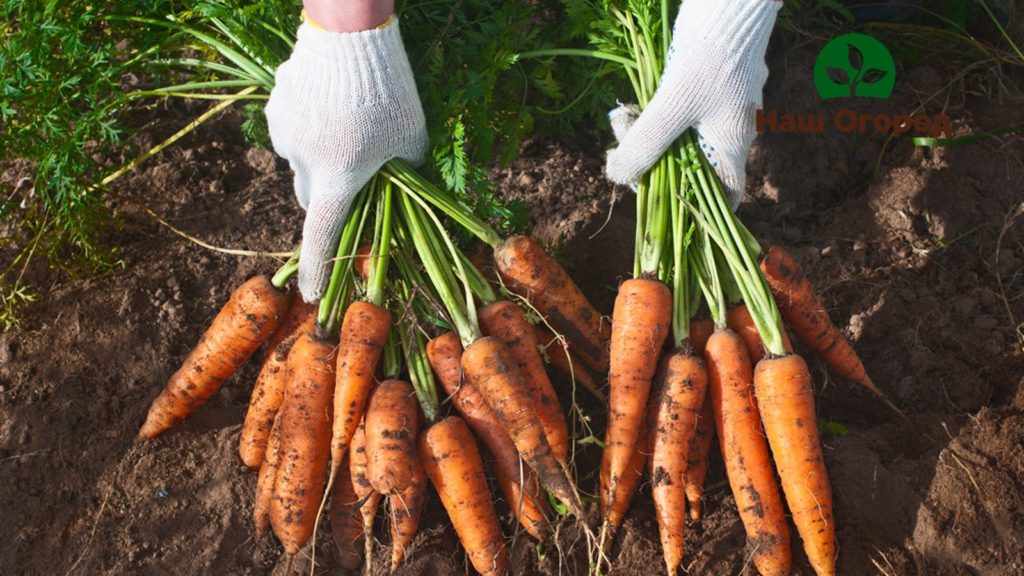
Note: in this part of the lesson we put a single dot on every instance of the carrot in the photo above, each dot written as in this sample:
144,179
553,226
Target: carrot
506,322
786,403
305,440
268,393
480,256
406,507
362,261
640,324
566,361
747,463
364,333
697,460
346,522
700,331
808,319
358,462
391,423
614,506
683,384
742,323
265,481
531,273
527,500
247,320
451,461
489,367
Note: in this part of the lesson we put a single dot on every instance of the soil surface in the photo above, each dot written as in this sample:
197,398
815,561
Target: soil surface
916,253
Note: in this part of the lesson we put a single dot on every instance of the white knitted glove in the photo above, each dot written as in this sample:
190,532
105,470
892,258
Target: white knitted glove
713,81
342,106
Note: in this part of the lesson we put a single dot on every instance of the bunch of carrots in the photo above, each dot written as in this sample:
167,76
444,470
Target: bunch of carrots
346,413
734,375
333,429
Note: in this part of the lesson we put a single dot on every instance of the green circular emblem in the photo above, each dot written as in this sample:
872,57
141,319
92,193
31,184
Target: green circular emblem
854,65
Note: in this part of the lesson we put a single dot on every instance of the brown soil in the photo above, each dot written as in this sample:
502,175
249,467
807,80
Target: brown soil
911,250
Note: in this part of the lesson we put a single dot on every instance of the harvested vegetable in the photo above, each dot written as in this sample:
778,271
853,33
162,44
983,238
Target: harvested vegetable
248,319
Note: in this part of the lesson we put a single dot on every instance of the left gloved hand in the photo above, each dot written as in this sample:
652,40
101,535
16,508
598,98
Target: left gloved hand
343,105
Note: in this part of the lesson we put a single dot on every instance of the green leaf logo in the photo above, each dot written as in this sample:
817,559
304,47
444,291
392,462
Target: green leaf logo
854,65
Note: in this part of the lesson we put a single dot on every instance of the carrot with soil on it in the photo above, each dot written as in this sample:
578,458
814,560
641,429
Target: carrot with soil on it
676,408
640,325
391,421
450,458
365,326
786,403
697,460
742,323
531,273
745,453
507,322
268,393
265,481
346,521
406,507
526,499
358,462
305,440
700,331
490,369
561,356
486,362
248,319
805,314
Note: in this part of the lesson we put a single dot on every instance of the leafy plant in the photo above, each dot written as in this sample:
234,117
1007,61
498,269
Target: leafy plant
62,97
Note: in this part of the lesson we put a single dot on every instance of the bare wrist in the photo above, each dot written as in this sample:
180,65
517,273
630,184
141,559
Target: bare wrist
349,15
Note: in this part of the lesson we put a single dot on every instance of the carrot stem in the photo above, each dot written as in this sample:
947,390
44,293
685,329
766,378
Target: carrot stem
287,270
329,314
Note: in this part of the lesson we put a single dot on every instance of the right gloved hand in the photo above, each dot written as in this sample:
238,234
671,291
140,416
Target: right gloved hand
342,106
713,81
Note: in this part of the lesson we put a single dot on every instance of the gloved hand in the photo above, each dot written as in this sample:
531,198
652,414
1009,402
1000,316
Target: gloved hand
713,81
342,106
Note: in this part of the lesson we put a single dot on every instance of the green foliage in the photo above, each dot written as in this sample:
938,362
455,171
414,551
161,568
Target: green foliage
66,66
60,93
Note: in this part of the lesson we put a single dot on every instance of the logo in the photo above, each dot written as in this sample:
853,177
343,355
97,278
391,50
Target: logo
854,65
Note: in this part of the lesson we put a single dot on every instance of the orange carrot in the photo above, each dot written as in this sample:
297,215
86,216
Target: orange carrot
489,367
566,361
450,458
358,462
362,261
483,260
406,507
614,506
506,322
697,460
364,333
640,324
700,331
527,500
747,463
305,440
391,424
680,396
346,521
531,273
247,320
804,313
268,393
786,403
740,322
265,481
